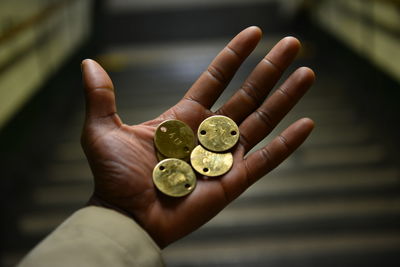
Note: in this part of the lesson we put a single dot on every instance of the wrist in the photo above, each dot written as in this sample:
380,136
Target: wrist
97,201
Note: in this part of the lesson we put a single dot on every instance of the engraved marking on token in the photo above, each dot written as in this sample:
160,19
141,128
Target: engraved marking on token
210,163
174,139
218,133
174,177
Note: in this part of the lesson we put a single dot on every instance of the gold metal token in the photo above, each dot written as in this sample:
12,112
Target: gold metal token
218,133
174,139
174,177
210,163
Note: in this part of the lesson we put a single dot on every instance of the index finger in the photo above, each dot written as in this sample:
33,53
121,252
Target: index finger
213,81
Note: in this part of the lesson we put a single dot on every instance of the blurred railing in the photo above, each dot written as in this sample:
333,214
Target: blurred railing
370,27
35,39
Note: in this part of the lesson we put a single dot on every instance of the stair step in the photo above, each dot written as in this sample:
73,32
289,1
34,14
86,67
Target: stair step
334,249
310,210
307,182
344,155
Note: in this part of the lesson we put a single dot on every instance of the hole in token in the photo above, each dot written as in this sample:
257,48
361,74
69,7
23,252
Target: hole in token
163,129
233,133
205,170
162,168
203,132
186,149
187,185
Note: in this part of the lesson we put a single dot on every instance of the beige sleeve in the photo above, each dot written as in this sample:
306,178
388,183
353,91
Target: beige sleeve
95,236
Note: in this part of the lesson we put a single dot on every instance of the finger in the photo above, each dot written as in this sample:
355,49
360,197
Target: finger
99,93
260,82
213,81
269,157
262,121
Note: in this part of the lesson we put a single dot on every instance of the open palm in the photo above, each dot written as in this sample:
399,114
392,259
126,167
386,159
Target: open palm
122,157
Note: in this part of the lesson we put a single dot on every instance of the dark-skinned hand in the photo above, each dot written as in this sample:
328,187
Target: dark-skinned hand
122,157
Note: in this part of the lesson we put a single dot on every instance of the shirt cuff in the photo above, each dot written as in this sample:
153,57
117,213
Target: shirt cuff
95,236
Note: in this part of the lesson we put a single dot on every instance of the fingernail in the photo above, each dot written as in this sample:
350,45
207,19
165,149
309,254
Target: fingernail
84,64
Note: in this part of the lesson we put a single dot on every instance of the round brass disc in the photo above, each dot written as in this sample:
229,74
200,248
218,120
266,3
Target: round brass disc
210,163
174,139
218,133
174,177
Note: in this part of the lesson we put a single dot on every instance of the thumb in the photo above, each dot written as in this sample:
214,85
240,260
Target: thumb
99,95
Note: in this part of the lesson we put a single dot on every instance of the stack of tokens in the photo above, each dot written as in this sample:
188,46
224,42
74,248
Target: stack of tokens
216,134
176,144
174,141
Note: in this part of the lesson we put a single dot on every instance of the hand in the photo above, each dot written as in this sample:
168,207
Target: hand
122,157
